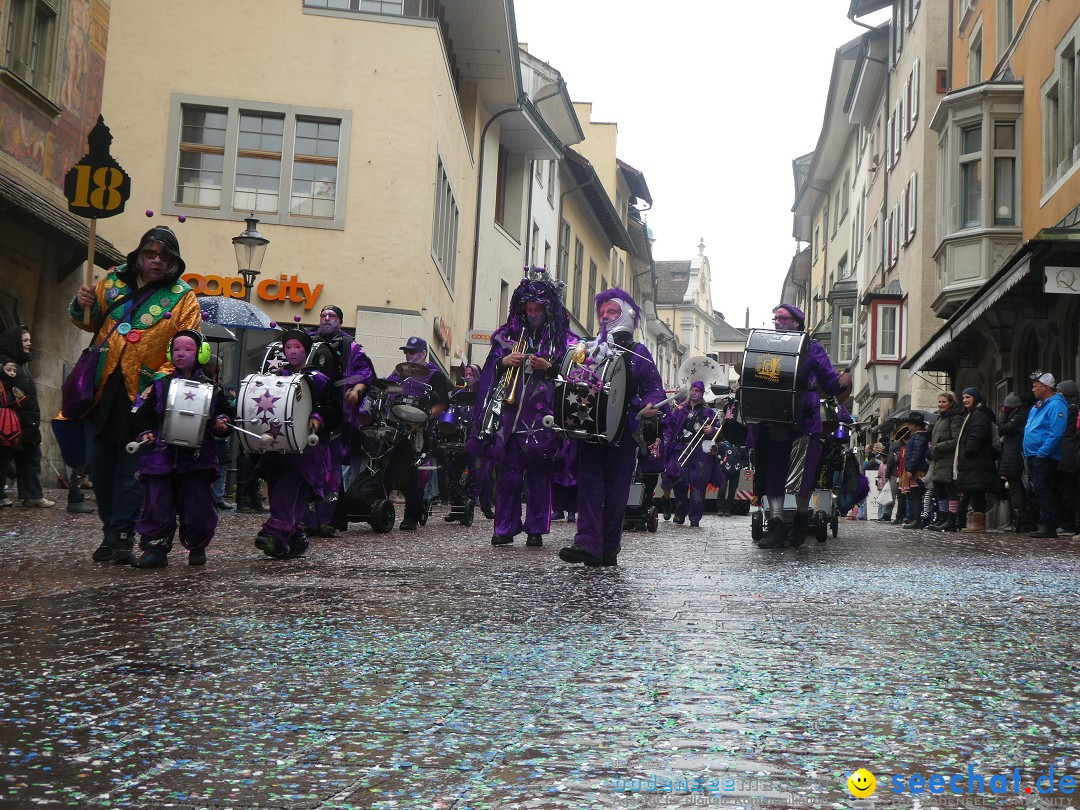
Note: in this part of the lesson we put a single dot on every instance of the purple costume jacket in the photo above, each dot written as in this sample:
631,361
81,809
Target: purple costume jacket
522,440
691,479
177,481
605,471
773,443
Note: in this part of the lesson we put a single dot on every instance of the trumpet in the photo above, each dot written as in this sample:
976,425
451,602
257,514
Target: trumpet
513,373
698,438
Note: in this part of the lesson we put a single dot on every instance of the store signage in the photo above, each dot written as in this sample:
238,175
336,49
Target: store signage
444,333
282,288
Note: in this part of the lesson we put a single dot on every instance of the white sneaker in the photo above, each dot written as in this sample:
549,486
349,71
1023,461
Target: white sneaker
6,502
42,503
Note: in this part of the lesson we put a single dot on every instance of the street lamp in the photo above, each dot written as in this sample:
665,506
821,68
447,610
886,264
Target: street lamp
250,247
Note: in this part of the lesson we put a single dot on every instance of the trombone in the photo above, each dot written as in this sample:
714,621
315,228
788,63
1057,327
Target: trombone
697,439
514,372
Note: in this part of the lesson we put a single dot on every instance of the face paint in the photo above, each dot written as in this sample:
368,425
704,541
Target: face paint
295,353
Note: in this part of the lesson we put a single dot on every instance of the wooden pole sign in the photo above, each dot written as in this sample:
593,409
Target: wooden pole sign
96,187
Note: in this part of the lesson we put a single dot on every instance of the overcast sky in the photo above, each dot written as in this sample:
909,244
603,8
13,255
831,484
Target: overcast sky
714,99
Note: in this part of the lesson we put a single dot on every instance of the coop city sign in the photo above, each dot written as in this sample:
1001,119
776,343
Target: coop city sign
282,288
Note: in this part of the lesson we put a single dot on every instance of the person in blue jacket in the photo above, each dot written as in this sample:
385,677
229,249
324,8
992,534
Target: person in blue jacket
1043,434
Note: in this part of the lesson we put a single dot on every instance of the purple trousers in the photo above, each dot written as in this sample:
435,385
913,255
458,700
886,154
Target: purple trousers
774,465
690,490
289,494
188,496
508,493
604,475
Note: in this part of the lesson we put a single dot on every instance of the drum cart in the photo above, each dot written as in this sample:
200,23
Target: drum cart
641,512
367,497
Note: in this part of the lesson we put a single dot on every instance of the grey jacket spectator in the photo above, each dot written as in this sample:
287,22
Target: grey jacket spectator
943,439
1014,414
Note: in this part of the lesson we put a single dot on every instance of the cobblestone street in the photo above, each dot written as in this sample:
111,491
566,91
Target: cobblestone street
430,670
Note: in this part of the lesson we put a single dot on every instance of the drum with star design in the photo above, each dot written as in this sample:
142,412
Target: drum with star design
590,401
278,407
187,410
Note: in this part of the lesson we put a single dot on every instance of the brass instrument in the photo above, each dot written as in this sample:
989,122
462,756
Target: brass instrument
902,434
503,392
697,439
513,373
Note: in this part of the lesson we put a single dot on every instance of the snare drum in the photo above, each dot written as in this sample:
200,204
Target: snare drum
411,407
279,407
590,402
187,411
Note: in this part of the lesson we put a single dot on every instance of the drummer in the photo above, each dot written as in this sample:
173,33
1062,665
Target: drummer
350,371
178,481
417,376
525,354
784,453
294,480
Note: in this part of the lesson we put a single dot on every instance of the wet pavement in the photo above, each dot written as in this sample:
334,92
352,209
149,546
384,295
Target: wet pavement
430,670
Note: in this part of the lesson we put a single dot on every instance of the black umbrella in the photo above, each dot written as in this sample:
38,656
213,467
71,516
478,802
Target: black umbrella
216,333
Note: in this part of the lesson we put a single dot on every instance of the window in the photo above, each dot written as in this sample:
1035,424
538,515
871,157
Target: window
579,275
911,193
1061,112
845,194
564,251
445,227
911,96
592,295
897,30
845,350
836,208
817,241
540,172
620,280
553,166
1006,25
282,162
975,59
535,246
500,185
32,49
843,269
971,176
888,332
1004,203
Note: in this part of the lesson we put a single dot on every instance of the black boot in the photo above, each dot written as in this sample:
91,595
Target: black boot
667,507
104,552
155,555
797,536
942,522
123,549
1044,531
917,523
534,540
467,518
776,534
501,539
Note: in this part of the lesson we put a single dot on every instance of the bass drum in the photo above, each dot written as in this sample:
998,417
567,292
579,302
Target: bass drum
276,407
590,402
274,359
774,379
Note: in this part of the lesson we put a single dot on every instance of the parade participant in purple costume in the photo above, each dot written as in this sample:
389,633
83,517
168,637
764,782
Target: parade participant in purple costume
697,470
293,480
668,479
774,444
178,481
650,455
350,371
402,466
528,348
605,471
461,468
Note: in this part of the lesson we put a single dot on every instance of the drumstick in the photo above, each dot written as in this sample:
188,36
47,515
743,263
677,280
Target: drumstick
264,438
682,392
135,447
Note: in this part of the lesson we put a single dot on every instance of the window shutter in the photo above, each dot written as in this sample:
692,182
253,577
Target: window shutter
912,205
914,94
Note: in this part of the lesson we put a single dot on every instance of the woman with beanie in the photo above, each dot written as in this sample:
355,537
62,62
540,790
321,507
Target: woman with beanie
975,468
1014,414
943,456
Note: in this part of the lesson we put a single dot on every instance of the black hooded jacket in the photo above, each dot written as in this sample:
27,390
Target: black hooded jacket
30,413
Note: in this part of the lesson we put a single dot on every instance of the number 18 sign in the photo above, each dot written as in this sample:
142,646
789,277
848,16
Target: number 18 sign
96,187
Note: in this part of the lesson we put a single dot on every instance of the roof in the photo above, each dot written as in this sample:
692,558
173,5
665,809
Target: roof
724,332
599,202
636,180
672,279
66,230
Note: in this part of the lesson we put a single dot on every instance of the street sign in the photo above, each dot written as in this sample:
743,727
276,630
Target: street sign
97,186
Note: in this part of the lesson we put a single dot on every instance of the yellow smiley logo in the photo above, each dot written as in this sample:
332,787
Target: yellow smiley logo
862,784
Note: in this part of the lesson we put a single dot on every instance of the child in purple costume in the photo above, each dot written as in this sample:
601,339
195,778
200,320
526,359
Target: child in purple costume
293,480
178,481
692,477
